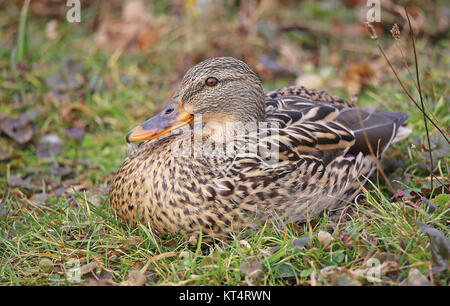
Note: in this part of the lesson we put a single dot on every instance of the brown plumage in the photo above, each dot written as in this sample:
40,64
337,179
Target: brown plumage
320,159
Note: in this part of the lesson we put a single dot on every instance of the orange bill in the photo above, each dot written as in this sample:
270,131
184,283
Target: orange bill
169,118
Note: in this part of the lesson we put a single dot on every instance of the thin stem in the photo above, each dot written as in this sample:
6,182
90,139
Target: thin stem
416,64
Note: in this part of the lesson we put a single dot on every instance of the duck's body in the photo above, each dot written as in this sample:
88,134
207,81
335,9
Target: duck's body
318,159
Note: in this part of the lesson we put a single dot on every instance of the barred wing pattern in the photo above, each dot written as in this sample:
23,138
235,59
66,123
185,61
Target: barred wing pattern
323,156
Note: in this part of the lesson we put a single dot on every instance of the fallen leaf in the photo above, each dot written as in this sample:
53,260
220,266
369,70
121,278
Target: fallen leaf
136,277
148,39
346,239
301,242
440,148
439,245
75,132
15,181
69,76
40,197
337,276
137,26
90,267
324,238
18,128
357,75
49,146
428,204
252,269
415,278
285,271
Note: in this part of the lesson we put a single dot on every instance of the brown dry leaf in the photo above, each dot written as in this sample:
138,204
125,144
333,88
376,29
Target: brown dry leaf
338,276
148,39
5,153
90,267
136,277
15,181
102,278
324,238
415,278
357,75
133,240
22,135
19,129
252,269
346,239
439,245
137,26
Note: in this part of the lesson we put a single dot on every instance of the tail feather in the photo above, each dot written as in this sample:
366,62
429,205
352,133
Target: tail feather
378,130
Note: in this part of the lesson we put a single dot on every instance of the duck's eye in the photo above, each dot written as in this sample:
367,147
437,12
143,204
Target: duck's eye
168,111
211,81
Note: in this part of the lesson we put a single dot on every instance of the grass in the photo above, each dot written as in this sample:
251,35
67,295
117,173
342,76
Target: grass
40,241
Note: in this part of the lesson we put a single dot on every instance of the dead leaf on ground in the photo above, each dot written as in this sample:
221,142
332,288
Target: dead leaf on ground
357,75
346,239
19,129
439,146
415,278
75,132
439,245
49,146
136,277
337,276
103,277
15,181
324,238
61,82
136,27
301,242
90,267
252,269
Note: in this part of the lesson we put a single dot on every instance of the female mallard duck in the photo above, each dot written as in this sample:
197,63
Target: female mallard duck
313,154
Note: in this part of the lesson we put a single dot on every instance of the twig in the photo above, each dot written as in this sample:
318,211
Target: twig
416,64
375,38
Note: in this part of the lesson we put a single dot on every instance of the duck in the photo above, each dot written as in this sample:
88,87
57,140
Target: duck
292,154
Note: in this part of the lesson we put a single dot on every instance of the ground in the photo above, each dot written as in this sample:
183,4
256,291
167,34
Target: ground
70,92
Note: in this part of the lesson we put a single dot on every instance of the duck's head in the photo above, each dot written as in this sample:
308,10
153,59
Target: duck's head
222,89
